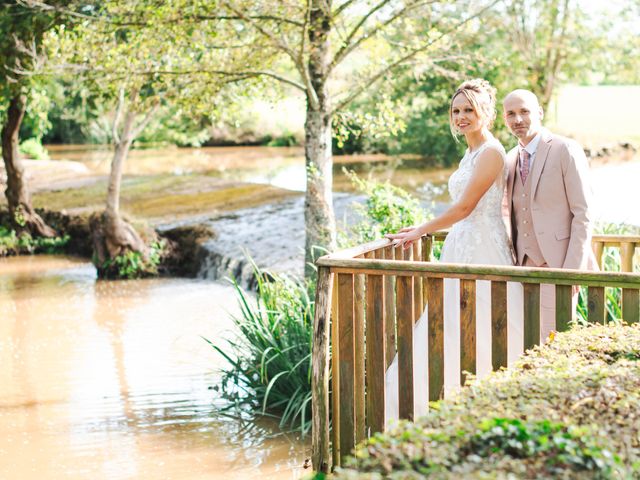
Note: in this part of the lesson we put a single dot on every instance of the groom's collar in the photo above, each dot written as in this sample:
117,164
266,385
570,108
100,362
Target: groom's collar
532,146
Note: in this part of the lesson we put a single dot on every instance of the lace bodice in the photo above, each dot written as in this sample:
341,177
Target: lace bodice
482,236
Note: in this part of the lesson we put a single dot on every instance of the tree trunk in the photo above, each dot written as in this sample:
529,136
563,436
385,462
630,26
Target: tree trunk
112,236
318,210
23,216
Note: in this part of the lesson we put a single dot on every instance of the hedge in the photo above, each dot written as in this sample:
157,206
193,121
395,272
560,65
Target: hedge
568,409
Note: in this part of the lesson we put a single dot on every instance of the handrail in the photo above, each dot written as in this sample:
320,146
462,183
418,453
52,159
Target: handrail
378,291
482,272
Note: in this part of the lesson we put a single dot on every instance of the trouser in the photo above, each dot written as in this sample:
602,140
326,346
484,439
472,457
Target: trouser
548,303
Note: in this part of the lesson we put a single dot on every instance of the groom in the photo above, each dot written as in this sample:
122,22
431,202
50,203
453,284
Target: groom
549,198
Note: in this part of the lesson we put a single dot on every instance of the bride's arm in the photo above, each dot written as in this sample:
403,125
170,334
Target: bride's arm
489,166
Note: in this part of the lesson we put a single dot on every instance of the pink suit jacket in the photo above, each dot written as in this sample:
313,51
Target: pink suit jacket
560,202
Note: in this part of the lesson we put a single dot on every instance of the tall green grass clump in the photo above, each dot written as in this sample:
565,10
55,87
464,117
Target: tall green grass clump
269,363
611,262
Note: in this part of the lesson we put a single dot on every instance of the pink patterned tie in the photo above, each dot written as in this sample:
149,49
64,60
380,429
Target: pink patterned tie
524,164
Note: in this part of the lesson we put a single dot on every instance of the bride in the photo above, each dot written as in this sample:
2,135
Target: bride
477,235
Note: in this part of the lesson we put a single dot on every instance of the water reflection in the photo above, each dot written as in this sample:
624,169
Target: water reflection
112,380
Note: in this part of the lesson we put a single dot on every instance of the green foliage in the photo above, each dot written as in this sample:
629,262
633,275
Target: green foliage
270,361
13,244
32,148
135,264
387,209
611,262
568,409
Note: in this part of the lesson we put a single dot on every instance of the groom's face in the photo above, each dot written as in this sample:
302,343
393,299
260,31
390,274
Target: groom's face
523,116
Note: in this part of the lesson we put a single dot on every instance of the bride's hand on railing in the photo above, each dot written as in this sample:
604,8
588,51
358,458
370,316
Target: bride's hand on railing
405,237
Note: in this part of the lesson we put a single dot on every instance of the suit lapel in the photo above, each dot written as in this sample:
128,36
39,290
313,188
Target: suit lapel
512,158
538,163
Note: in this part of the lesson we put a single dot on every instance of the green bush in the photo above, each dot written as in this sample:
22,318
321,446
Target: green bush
386,209
568,409
13,244
134,264
270,361
32,148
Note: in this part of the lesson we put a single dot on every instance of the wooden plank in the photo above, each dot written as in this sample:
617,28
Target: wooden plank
627,250
389,309
426,257
404,311
335,375
320,453
564,307
498,324
436,338
358,334
598,248
596,305
427,243
531,315
605,240
376,350
484,272
346,355
418,303
467,328
630,305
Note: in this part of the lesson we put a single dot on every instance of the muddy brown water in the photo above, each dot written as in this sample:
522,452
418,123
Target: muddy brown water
112,380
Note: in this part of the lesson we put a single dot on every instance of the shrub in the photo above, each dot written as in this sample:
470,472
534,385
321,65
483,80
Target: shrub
387,209
270,360
135,264
568,409
32,148
13,244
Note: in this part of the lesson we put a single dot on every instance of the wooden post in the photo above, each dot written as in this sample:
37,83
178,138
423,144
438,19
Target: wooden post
376,350
390,310
498,324
335,374
346,363
626,256
531,315
467,328
418,303
320,453
596,305
564,307
630,305
358,334
435,320
426,257
404,310
598,248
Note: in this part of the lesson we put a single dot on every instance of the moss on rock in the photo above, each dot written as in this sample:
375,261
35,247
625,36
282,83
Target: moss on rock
568,409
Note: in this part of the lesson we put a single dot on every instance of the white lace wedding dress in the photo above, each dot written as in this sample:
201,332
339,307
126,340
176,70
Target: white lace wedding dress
481,238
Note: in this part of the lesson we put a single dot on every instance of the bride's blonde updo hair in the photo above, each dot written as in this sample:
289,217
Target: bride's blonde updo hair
482,96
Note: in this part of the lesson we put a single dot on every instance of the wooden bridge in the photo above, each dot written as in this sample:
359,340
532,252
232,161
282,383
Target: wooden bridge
369,297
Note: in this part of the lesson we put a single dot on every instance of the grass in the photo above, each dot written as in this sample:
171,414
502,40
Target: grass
269,363
13,244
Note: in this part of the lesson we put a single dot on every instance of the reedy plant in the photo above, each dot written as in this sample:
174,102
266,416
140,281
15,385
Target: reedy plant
269,363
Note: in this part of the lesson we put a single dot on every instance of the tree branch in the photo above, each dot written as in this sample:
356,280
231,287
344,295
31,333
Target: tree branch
341,8
116,118
145,121
377,76
348,47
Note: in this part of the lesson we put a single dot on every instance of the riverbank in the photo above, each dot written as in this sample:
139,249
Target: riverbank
230,202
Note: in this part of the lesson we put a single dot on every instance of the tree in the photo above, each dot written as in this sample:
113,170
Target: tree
137,58
22,30
315,38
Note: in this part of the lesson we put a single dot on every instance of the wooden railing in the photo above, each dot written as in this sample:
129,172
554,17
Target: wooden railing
368,299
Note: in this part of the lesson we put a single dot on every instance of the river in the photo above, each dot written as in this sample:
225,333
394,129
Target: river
111,380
